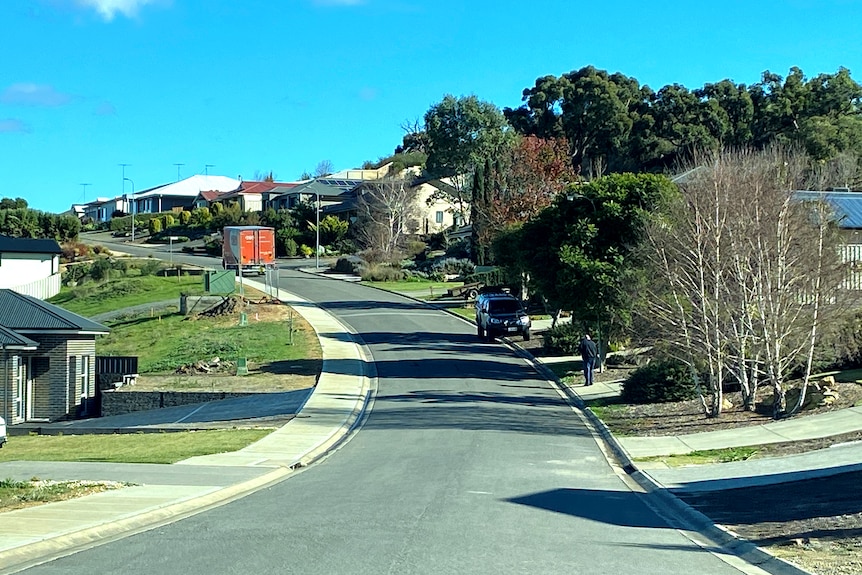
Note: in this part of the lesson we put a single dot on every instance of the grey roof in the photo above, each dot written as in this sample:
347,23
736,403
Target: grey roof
328,189
28,246
11,340
23,313
847,205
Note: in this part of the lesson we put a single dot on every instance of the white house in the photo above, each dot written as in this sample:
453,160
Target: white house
180,195
30,267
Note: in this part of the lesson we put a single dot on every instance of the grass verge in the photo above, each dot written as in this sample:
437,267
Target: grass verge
129,448
704,457
428,287
20,494
163,343
95,298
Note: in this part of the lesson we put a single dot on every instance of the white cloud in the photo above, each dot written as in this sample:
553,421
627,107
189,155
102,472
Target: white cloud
26,94
11,125
109,8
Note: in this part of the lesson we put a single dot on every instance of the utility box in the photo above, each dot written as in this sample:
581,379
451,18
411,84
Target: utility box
220,282
250,249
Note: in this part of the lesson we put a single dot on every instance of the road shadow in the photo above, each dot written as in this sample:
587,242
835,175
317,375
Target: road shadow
822,507
293,367
620,508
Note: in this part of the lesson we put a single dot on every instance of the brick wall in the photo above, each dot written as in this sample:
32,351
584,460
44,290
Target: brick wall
48,400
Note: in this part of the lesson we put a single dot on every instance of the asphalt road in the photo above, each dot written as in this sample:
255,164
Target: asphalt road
468,462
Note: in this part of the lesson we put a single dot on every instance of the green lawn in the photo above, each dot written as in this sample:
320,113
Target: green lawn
704,457
163,343
468,312
128,448
94,298
438,288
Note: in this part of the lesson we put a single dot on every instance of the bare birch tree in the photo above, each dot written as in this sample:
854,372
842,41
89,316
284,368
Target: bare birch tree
747,274
387,211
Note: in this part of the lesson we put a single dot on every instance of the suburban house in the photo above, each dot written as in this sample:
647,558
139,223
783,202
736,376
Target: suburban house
206,198
180,195
30,266
431,214
97,210
255,196
47,361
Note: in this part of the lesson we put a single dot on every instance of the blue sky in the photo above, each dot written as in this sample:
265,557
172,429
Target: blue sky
257,85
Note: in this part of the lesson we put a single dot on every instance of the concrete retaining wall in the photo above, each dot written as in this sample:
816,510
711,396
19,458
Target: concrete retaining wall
197,303
116,402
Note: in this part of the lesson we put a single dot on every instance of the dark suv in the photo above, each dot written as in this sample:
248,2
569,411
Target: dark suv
499,314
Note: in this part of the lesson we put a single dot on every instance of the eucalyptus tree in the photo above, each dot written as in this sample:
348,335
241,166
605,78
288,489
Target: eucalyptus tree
581,252
461,134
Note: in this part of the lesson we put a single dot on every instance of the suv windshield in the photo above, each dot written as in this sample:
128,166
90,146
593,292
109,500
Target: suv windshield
504,306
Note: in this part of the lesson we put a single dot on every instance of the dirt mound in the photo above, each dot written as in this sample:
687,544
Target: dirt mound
228,306
213,366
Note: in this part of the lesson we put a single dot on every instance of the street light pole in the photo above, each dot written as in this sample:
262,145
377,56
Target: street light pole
133,207
317,232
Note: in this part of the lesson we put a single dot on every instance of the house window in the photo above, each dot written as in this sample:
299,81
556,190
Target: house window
85,375
438,217
18,371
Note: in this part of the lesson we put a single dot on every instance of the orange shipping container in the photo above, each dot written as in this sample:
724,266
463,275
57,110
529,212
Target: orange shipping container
249,246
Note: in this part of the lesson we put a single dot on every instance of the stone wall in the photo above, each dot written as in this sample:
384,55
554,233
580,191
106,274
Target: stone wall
118,402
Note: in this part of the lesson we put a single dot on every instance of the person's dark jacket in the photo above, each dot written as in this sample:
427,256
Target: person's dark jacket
588,349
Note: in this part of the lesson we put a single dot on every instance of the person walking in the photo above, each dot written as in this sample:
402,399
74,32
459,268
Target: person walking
589,352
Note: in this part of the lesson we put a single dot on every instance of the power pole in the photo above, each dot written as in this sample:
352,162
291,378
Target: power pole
178,170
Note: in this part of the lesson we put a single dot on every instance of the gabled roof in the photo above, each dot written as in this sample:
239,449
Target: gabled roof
191,187
210,195
327,189
249,187
847,205
11,340
11,245
25,314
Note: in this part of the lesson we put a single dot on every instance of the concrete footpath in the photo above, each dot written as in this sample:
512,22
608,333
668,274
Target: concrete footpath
164,493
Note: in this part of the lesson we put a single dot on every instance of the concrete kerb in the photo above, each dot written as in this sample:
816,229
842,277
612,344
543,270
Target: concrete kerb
700,523
363,399
63,544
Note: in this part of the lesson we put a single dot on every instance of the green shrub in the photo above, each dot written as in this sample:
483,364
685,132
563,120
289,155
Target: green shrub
75,273
415,247
453,266
660,381
169,221
306,251
563,340
155,226
349,265
381,273
494,277
290,247
185,217
100,269
150,267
